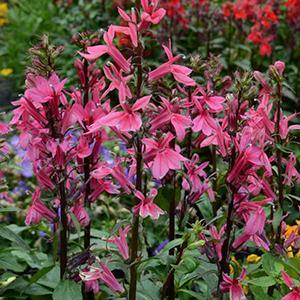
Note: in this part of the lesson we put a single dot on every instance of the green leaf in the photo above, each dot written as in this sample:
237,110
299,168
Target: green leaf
171,245
9,262
76,223
40,274
205,207
263,281
8,234
271,264
9,209
67,290
193,294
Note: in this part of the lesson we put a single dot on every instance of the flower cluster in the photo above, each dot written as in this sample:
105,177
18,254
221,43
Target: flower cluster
175,132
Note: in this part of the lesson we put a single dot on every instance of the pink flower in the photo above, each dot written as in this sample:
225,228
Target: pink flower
101,171
118,82
110,280
120,242
295,293
127,120
280,66
131,30
171,113
95,52
284,127
38,210
214,102
80,214
92,286
217,240
118,173
204,122
150,14
83,150
104,274
162,156
291,171
147,207
43,90
194,173
252,156
180,73
233,286
4,128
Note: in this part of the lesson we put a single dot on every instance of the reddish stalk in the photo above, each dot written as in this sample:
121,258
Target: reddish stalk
139,174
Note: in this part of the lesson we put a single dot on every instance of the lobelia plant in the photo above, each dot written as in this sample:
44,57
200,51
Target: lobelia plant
167,122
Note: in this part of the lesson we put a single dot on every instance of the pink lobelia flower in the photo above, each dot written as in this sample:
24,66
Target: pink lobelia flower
110,280
162,157
233,286
284,127
295,293
291,171
117,82
92,286
4,128
252,156
38,210
204,121
120,242
213,102
150,14
95,52
118,173
147,207
80,214
83,150
194,172
104,274
255,223
171,113
42,90
127,120
179,72
131,29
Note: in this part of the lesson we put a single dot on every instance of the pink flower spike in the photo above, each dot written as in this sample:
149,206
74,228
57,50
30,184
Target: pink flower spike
147,207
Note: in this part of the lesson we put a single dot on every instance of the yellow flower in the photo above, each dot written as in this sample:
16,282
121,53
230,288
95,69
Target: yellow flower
290,252
253,258
6,72
3,21
3,9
